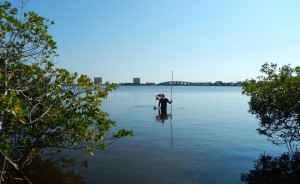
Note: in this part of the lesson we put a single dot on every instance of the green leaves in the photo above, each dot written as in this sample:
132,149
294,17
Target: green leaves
275,99
11,104
122,133
43,106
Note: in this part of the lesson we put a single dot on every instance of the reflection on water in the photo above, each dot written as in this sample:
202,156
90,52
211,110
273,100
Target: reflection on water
269,169
208,137
56,170
163,116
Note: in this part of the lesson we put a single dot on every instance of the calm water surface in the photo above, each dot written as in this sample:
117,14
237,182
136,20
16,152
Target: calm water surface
209,137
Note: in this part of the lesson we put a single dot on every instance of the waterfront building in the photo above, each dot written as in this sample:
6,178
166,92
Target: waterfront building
98,80
136,81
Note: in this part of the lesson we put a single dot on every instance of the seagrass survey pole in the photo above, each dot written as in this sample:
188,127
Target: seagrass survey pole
172,87
171,142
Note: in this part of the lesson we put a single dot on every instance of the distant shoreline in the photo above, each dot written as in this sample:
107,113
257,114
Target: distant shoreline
181,85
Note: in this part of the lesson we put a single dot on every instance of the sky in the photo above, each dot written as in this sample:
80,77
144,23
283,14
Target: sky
199,40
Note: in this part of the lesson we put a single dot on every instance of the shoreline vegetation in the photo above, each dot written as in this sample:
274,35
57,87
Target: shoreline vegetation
37,112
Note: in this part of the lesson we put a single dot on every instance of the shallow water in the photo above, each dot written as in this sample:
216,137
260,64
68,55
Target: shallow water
208,137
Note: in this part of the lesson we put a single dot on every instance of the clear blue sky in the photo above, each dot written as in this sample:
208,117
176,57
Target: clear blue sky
200,40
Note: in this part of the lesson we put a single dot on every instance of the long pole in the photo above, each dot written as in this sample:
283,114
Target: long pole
172,85
171,143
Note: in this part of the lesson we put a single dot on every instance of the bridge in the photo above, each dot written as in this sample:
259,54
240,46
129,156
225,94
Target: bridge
175,83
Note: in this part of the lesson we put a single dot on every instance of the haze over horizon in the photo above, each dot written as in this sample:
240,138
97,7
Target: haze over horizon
200,40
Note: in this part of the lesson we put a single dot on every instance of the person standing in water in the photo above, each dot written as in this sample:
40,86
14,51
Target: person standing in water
162,108
162,104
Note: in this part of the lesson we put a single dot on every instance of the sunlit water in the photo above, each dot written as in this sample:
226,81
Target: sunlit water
209,137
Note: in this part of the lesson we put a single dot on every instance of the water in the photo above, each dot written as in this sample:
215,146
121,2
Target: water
209,137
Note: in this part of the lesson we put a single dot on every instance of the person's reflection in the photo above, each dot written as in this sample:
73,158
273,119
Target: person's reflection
162,115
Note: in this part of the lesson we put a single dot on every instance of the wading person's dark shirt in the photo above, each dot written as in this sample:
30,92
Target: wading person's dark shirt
163,103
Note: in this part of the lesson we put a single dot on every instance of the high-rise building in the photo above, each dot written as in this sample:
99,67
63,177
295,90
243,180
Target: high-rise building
136,80
98,80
